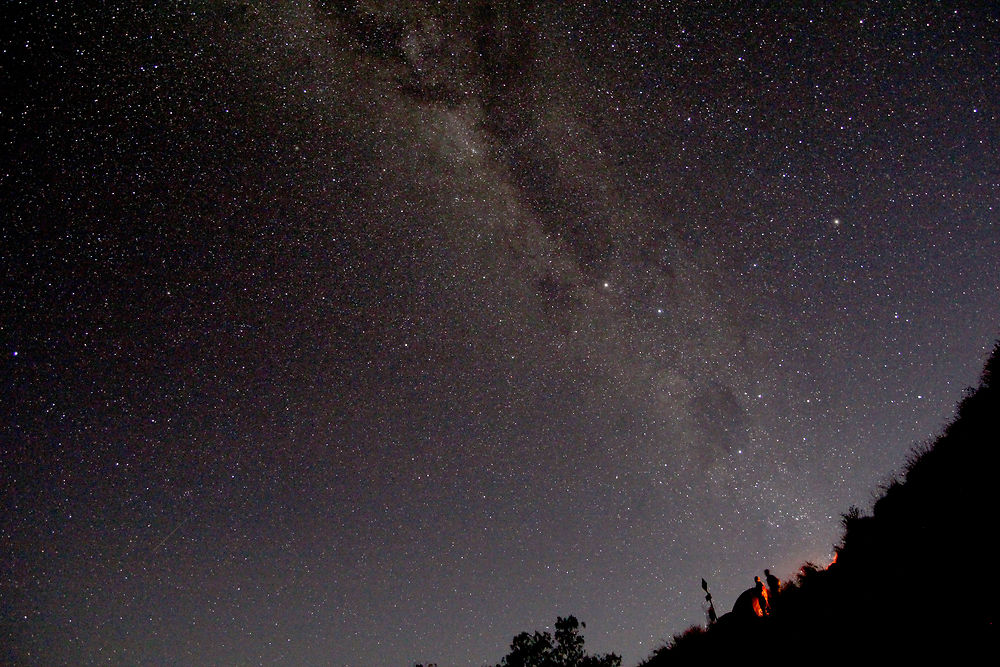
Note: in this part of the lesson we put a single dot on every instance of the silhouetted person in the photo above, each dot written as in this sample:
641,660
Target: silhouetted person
761,595
773,585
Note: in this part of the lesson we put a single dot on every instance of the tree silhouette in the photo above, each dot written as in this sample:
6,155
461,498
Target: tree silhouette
565,650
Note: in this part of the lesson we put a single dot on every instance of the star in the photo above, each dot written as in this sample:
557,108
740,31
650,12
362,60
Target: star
301,303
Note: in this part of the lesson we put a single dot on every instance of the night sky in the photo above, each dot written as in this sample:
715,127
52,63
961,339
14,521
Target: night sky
374,333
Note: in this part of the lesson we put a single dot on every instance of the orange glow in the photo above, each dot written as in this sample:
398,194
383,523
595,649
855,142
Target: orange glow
762,602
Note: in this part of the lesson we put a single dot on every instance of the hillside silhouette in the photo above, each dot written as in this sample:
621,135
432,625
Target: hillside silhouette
914,581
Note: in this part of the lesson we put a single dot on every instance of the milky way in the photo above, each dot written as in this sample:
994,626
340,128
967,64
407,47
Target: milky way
370,333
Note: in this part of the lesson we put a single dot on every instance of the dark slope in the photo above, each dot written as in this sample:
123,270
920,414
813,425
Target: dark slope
915,580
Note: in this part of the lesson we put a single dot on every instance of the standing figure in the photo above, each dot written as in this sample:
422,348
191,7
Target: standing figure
773,585
761,599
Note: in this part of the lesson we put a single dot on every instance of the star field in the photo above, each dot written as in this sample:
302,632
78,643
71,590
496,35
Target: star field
368,333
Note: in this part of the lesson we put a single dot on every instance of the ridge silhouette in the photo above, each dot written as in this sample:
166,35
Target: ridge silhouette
908,583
